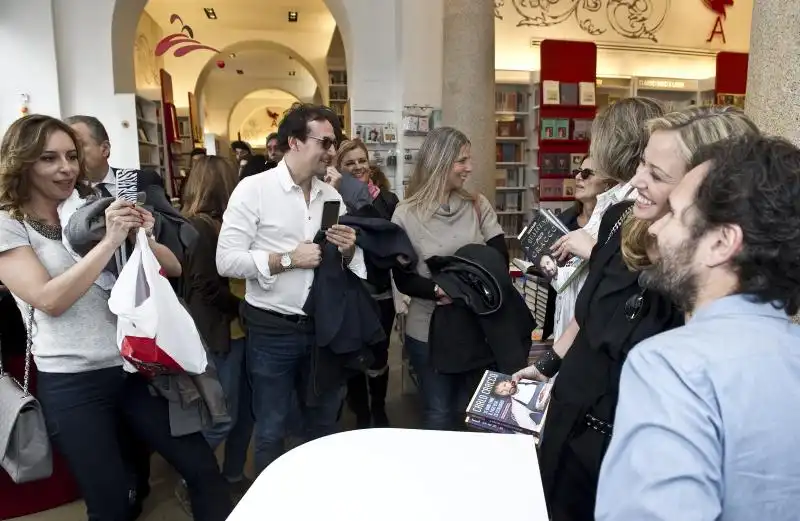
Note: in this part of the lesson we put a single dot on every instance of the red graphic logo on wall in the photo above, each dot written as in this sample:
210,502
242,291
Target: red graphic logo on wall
719,7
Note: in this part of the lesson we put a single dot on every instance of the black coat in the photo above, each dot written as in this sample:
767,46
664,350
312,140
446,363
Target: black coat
346,317
488,324
588,381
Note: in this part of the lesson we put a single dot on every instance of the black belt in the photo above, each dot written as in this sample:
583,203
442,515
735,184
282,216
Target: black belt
295,319
603,427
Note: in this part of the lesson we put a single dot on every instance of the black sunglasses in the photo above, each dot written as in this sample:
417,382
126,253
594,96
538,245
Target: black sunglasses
634,306
584,173
326,142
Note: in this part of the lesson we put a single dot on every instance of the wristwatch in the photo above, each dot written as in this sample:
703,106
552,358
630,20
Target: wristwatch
286,261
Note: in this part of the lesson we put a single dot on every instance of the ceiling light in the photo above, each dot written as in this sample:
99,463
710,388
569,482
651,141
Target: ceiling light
233,55
292,73
292,16
210,14
239,71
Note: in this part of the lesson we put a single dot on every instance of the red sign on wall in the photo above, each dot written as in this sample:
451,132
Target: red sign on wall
719,7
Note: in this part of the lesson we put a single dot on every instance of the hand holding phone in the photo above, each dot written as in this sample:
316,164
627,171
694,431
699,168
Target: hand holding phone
330,214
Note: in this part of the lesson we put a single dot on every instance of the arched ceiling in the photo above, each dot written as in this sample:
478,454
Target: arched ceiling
224,88
245,20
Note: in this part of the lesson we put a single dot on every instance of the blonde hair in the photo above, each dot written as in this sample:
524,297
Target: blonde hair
22,145
377,175
435,160
619,136
208,187
695,127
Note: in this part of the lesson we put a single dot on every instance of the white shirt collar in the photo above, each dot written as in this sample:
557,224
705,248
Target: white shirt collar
288,184
109,179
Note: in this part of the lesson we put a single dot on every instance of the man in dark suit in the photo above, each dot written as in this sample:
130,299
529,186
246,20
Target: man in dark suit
96,151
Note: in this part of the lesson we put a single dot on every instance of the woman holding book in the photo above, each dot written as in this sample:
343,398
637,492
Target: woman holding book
583,221
651,153
440,216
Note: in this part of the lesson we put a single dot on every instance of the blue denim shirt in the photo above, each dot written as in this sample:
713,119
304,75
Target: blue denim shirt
707,423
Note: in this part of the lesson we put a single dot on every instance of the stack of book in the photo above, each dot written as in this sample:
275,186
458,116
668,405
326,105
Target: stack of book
503,406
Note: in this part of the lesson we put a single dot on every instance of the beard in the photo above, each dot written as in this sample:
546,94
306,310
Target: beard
672,275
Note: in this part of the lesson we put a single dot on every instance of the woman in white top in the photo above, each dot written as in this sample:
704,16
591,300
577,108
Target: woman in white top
82,387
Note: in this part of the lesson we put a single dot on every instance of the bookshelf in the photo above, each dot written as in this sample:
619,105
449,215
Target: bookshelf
513,162
338,95
673,93
150,129
565,97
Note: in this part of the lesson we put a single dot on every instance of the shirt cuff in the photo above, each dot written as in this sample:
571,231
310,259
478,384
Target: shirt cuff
265,278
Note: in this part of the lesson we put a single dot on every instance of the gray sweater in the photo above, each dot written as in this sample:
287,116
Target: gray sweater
450,228
81,339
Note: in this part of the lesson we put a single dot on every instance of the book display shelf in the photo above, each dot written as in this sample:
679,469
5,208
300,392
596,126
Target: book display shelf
565,105
150,128
512,151
339,95
730,82
673,93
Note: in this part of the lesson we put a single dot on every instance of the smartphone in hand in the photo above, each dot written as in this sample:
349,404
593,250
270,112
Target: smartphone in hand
128,185
330,214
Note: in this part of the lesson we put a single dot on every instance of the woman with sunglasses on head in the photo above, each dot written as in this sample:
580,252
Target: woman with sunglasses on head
366,393
591,200
82,387
632,142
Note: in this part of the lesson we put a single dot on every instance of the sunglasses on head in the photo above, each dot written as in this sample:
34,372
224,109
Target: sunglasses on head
326,142
584,173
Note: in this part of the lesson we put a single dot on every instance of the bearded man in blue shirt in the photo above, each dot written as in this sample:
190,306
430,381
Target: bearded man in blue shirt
707,420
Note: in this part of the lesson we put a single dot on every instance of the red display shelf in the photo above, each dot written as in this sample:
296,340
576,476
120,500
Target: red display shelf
565,62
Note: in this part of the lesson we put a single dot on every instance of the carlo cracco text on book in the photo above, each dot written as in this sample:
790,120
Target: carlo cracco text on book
499,405
536,241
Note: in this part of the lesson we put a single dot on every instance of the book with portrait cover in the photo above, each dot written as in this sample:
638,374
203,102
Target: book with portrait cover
500,405
536,241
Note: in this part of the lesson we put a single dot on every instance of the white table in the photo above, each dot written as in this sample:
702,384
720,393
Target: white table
399,474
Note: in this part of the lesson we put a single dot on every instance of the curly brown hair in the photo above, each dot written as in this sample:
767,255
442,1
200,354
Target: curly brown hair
22,145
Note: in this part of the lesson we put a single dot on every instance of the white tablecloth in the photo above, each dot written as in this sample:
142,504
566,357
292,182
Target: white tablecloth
398,474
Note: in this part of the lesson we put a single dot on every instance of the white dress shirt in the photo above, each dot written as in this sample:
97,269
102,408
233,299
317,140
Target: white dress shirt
267,213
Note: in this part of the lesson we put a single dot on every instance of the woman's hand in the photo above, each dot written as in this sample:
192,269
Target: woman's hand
529,373
578,243
121,217
148,222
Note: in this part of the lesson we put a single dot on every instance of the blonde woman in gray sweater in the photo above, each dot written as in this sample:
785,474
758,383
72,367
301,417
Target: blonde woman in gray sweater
440,216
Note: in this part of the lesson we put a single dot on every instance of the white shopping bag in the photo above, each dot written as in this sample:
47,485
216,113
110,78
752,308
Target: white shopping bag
155,333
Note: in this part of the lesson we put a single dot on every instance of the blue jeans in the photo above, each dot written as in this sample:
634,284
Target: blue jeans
444,396
279,365
236,386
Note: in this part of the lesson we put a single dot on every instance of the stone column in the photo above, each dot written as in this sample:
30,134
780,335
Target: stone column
773,78
468,83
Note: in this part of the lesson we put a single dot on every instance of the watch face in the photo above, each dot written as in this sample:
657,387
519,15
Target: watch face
286,261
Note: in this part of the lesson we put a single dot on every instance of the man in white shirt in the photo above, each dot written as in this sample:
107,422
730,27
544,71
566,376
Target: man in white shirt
265,239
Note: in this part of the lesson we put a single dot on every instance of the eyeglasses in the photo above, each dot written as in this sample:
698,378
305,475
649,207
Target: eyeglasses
327,142
584,173
634,306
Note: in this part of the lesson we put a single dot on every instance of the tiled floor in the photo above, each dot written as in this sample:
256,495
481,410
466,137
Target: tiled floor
403,411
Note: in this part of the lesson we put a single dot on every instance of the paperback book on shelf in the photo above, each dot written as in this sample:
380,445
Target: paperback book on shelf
500,405
536,241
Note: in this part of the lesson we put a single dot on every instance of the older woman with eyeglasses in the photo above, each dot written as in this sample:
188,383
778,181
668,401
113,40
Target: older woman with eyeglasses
590,200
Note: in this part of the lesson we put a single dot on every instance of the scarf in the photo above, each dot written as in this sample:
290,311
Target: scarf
374,190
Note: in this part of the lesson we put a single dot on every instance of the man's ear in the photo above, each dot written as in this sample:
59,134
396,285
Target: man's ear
106,149
725,243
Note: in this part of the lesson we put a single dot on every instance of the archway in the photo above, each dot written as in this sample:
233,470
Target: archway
243,48
258,114
249,71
